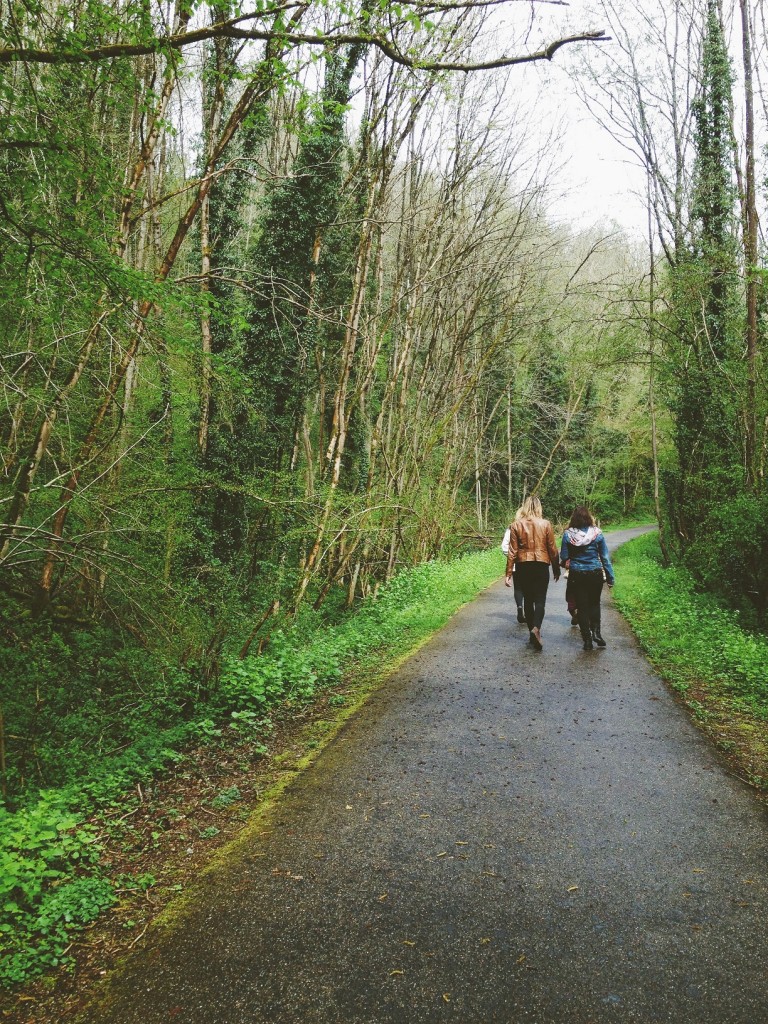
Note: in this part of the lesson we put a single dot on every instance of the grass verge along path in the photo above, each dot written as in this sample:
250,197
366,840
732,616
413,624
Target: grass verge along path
718,669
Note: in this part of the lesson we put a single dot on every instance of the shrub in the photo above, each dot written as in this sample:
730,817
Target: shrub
41,848
63,910
726,556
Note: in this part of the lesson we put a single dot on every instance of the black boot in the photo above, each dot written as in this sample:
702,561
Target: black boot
597,637
586,636
520,613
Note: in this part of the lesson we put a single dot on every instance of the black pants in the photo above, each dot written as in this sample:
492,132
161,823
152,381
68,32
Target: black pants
519,596
533,580
586,588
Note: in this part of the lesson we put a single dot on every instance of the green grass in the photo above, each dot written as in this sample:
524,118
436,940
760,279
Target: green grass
295,666
691,639
51,883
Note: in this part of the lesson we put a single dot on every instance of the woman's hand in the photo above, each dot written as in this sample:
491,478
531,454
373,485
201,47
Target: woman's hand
507,581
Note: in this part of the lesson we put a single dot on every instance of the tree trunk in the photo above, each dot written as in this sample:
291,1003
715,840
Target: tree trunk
652,380
750,250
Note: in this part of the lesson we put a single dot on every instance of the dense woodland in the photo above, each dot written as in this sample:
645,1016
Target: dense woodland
288,324
284,311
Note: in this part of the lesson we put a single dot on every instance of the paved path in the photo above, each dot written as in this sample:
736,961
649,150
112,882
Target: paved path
499,836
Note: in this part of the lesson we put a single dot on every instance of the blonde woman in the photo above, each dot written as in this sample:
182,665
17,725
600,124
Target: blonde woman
532,553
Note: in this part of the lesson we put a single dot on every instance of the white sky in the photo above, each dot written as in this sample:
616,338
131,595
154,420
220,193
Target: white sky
599,179
596,180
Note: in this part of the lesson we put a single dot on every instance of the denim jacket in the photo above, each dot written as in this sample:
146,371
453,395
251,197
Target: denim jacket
587,551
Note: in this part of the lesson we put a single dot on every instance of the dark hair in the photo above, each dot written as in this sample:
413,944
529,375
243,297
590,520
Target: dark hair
581,517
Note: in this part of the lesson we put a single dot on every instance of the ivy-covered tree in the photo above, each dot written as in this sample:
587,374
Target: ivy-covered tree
706,371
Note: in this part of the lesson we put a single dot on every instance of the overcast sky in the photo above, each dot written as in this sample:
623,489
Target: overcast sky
596,179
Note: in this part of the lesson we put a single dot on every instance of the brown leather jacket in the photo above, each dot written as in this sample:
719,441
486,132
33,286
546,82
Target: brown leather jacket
532,540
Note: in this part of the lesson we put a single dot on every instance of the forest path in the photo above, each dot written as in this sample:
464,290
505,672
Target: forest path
497,836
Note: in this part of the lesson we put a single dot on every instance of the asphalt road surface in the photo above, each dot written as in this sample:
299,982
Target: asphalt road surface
498,836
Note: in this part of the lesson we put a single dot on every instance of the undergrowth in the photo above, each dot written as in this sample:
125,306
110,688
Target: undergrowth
51,882
688,635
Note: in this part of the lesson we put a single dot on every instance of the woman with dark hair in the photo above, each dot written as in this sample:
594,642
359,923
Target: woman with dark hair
532,551
589,565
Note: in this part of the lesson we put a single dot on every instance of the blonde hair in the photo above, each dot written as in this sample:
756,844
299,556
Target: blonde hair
519,514
531,508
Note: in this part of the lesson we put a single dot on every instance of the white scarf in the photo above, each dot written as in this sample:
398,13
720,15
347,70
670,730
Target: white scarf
579,537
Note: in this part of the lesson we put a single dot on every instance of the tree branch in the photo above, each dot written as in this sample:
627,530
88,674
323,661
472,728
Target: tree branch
232,30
